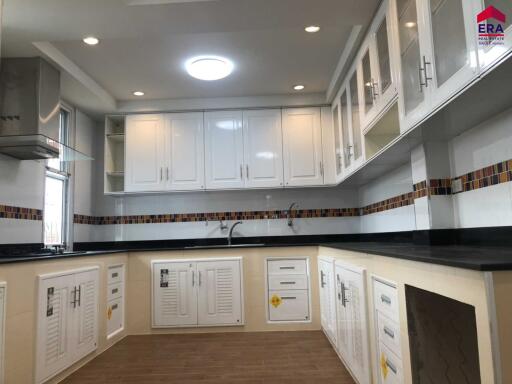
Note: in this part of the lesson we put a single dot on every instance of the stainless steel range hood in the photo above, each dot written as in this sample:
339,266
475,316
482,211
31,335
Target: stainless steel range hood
30,111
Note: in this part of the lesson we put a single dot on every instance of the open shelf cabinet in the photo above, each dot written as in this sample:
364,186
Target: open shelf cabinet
114,154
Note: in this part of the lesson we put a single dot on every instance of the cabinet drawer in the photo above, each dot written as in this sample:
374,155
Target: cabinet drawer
115,274
287,282
385,299
288,305
389,333
390,366
114,291
287,267
114,316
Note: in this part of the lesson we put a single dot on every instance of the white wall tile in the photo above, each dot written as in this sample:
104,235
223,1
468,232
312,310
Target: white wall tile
394,220
394,183
422,212
20,231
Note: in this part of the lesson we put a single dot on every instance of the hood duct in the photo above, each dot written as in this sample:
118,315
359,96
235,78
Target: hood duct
30,111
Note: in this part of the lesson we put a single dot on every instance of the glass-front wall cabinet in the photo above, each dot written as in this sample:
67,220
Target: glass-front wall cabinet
338,145
357,146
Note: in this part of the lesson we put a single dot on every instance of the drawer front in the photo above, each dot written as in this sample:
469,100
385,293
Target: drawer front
288,305
287,267
389,334
115,316
114,291
390,366
115,275
287,282
385,299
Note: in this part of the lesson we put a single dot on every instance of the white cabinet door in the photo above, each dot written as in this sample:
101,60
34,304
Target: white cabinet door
219,293
338,143
344,325
224,150
144,169
356,149
451,61
302,145
415,93
174,294
327,298
328,146
491,54
85,315
263,150
369,77
3,300
54,349
184,139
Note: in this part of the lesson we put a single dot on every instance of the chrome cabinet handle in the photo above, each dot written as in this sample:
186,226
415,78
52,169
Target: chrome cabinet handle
374,87
74,297
389,332
422,84
79,295
241,172
199,278
321,168
391,366
193,278
286,267
322,280
287,283
161,173
167,171
425,63
115,290
288,298
247,171
114,275
344,299
385,299
114,307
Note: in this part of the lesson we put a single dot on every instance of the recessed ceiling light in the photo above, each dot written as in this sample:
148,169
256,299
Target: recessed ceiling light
410,24
299,87
91,40
209,68
138,93
312,29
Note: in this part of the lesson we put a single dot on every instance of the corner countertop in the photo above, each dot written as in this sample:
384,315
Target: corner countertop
479,258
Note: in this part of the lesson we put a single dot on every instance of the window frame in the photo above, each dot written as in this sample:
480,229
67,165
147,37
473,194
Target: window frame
64,173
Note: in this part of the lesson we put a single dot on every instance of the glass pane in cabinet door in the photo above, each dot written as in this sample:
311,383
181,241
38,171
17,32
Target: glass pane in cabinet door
368,83
449,35
344,129
337,138
383,52
410,55
356,123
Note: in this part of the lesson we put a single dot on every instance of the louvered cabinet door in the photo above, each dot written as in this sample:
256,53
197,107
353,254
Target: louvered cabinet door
219,292
174,294
53,316
85,313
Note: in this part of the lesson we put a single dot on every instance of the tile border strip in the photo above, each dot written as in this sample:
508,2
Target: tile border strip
20,213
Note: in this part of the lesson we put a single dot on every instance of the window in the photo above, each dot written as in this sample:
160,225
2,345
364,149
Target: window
56,191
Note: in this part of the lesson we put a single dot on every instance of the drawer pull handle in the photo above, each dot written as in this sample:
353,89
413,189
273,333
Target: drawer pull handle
288,298
389,332
115,290
286,267
114,307
385,299
322,279
115,274
391,366
287,282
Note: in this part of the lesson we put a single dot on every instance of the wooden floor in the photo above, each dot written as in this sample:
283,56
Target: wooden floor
272,357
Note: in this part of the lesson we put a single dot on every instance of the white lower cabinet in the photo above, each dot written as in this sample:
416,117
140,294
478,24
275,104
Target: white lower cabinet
115,300
67,320
288,290
386,312
3,299
197,293
327,297
351,320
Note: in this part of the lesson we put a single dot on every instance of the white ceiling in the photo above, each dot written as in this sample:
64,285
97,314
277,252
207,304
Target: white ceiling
144,47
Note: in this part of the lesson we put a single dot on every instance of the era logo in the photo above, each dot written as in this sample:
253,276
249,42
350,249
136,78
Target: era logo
490,32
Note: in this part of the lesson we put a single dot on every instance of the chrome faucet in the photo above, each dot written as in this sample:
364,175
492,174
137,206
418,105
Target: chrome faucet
289,213
230,236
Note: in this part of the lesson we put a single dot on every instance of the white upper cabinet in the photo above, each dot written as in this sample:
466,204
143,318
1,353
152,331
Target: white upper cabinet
356,150
144,169
219,292
377,65
302,147
451,60
490,54
329,133
184,139
263,149
224,151
338,143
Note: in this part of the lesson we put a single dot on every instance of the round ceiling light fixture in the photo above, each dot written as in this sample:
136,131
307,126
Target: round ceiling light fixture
299,87
209,68
138,93
312,29
91,40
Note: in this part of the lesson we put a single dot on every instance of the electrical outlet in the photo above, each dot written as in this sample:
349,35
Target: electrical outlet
456,185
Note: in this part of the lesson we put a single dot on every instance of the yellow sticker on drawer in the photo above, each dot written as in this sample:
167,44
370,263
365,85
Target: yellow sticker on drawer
109,313
384,365
276,301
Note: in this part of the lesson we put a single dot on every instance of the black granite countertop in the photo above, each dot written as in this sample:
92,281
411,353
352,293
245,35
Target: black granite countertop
481,249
